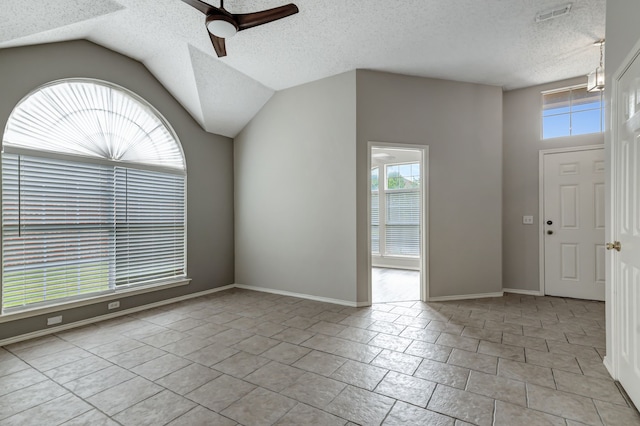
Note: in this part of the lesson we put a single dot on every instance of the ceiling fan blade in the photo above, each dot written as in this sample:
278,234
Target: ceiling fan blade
218,45
202,6
250,20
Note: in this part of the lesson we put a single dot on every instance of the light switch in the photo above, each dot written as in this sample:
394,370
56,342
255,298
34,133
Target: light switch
527,220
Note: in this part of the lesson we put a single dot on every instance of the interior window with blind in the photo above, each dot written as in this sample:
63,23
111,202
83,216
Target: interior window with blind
375,211
93,195
395,210
402,219
570,112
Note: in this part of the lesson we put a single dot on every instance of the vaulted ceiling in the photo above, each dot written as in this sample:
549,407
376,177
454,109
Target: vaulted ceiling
494,42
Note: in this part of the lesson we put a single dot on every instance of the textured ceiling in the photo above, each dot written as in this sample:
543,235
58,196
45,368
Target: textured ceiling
493,42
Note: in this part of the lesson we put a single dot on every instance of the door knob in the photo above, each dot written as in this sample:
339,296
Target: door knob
614,246
550,232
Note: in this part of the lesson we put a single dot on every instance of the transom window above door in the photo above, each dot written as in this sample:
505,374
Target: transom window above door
571,111
93,195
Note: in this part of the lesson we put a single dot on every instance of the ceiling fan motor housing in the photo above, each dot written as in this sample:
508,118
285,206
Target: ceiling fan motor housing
222,26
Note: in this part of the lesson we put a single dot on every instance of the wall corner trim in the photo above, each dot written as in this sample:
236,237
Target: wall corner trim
465,296
524,292
304,296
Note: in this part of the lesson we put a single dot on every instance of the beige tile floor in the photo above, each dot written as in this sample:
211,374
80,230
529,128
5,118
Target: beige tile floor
393,285
241,357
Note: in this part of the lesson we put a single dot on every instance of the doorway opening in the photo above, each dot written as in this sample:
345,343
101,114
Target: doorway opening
397,222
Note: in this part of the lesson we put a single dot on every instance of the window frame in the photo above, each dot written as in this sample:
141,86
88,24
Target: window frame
382,193
117,291
570,112
405,163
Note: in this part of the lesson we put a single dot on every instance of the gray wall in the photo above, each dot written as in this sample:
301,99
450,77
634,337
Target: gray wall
622,32
462,125
522,143
209,163
295,192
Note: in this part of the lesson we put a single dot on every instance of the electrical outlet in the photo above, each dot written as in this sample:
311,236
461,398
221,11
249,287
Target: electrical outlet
114,305
54,320
527,220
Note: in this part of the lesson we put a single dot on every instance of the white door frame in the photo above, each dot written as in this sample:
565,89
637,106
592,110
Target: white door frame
424,223
541,220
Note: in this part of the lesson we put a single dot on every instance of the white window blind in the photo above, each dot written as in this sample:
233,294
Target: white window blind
149,226
402,226
57,229
92,118
375,222
93,193
70,229
395,210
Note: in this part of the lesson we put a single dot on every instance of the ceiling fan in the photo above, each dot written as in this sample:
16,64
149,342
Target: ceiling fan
222,24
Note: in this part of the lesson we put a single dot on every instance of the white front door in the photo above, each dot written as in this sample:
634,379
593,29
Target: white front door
625,265
574,223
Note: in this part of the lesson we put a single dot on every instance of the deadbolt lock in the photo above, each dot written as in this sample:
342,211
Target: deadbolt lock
614,246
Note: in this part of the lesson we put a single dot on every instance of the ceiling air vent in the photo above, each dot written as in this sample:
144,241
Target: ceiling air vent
553,13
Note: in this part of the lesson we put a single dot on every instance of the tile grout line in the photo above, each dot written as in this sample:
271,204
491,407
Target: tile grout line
467,312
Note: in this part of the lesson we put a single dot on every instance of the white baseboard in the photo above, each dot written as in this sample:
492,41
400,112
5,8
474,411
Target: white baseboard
99,318
525,292
465,296
304,296
348,303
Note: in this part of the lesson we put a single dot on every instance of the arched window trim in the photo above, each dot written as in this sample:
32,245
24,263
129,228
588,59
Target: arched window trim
16,149
91,160
119,284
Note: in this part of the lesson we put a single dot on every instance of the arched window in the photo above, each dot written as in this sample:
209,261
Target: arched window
93,195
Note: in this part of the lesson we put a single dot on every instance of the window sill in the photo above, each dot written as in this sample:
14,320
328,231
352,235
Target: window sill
395,256
117,294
